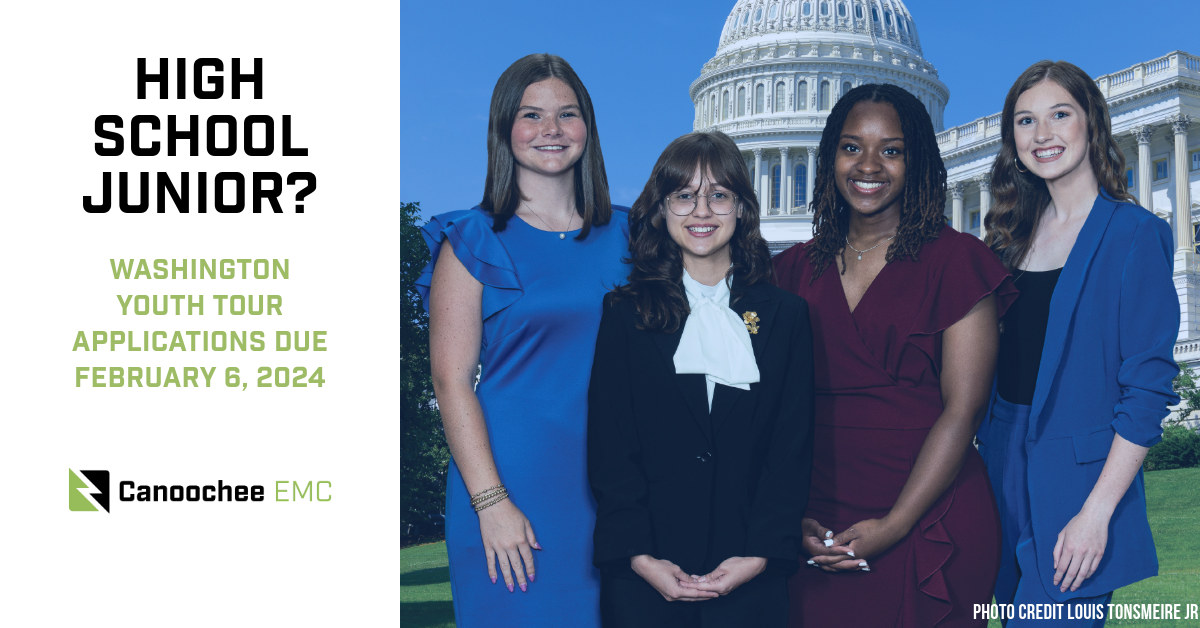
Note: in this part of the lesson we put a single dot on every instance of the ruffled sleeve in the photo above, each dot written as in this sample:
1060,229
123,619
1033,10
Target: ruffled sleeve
481,253
963,273
967,272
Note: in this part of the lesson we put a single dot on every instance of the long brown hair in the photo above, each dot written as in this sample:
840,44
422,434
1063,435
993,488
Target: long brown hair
656,282
501,196
923,201
1020,198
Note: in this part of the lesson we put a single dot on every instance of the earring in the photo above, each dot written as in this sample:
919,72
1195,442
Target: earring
1017,165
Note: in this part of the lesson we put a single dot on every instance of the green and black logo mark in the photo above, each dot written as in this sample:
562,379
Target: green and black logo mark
89,491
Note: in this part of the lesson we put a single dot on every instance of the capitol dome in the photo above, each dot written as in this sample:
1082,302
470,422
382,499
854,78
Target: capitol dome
864,23
779,67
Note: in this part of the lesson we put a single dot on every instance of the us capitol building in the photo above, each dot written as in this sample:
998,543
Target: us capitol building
780,66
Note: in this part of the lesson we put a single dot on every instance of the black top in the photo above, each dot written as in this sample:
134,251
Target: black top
1024,336
691,485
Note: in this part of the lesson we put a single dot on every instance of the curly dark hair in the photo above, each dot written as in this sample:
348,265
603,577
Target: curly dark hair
923,200
1022,197
656,282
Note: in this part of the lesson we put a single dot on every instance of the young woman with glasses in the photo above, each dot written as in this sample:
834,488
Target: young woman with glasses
699,407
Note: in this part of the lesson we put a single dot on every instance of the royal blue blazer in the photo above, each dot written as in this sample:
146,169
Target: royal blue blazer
1106,369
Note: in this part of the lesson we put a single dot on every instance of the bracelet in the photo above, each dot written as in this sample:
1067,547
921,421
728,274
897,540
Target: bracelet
503,496
487,494
494,495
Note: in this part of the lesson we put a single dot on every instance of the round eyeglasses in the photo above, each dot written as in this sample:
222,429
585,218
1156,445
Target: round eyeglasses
684,203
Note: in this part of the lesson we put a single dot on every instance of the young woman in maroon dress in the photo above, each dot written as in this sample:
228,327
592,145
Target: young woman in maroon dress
901,527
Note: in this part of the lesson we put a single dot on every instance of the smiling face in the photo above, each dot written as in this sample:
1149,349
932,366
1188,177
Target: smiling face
703,234
869,164
549,134
1050,133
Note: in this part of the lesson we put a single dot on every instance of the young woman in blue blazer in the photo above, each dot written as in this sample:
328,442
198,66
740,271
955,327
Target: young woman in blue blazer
1085,368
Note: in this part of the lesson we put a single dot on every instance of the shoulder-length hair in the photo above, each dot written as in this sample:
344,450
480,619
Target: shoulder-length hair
1020,198
501,196
923,201
656,281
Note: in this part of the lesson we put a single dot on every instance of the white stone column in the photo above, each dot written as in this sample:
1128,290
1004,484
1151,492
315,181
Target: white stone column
768,184
1183,213
956,212
985,201
811,175
1187,283
759,180
785,180
1145,177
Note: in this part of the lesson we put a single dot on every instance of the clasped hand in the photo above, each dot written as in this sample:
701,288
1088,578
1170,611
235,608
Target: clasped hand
676,586
849,550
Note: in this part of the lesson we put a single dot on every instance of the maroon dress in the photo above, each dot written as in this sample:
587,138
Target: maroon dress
877,396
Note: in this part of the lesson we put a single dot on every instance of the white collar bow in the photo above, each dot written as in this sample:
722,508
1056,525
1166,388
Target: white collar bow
715,341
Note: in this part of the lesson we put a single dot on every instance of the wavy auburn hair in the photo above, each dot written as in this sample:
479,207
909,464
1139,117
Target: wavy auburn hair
501,196
1020,198
922,202
656,282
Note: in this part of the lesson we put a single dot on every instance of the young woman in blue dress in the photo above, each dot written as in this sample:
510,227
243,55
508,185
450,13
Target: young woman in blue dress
1085,367
515,297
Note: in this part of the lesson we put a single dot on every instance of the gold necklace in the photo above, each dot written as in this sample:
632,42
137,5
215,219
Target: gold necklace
562,235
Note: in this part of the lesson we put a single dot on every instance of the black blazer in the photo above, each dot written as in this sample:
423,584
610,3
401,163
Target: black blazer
680,483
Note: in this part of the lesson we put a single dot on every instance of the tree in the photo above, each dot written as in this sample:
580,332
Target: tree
423,450
1186,387
1180,446
1179,449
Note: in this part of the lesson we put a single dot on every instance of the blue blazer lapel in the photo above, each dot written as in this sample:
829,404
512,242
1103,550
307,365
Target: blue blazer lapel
1064,302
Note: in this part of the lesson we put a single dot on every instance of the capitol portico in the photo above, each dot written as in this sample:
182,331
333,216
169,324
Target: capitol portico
780,65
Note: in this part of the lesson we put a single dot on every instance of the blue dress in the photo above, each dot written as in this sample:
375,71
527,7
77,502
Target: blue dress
541,312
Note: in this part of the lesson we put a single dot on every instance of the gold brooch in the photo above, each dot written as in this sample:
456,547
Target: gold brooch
751,320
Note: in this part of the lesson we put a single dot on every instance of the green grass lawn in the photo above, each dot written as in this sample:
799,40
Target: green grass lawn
1174,508
425,587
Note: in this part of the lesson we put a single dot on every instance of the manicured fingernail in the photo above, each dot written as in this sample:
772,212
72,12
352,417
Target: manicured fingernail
866,569
863,564
851,552
828,533
523,589
537,545
510,588
812,562
828,542
532,577
493,580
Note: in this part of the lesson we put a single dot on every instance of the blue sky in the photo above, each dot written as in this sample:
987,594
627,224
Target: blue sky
638,59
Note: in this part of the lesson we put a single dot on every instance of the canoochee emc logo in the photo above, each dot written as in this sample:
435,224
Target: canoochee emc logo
89,491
